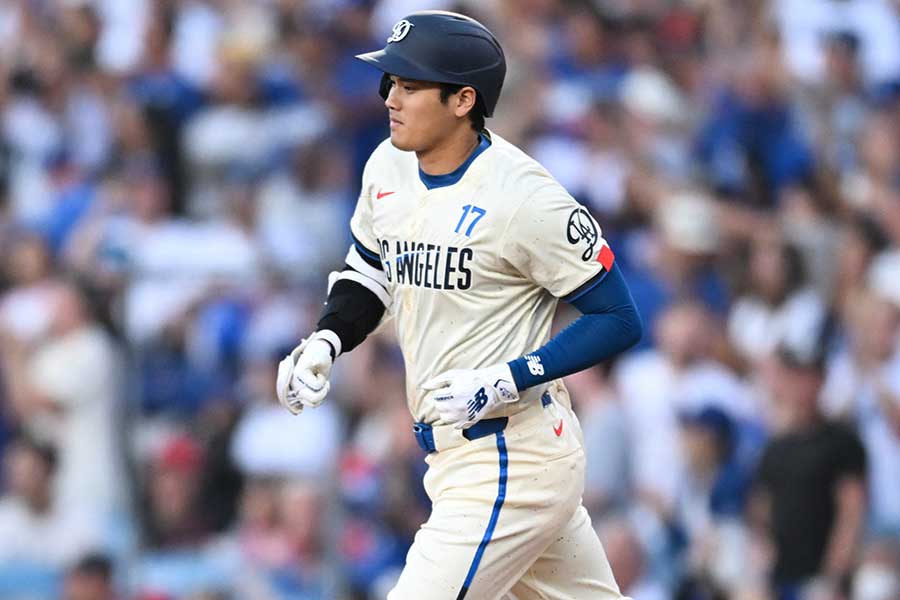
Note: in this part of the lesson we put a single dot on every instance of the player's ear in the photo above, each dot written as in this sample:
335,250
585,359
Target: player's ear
465,101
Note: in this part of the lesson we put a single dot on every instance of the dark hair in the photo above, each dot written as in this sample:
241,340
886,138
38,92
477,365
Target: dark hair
94,564
715,420
870,231
476,115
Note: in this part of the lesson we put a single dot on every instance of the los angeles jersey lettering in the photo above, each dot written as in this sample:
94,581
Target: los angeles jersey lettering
474,269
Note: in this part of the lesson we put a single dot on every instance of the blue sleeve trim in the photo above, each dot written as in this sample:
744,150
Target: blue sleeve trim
375,263
608,295
609,325
365,251
495,514
585,287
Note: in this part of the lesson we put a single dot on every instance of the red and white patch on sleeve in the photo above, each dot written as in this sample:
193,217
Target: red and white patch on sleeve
606,257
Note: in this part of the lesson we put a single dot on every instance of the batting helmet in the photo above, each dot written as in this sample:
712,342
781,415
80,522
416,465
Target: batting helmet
444,47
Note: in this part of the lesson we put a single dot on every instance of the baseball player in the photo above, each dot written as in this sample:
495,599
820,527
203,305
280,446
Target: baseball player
468,244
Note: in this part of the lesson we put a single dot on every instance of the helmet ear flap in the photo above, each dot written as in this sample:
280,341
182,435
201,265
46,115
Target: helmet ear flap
384,88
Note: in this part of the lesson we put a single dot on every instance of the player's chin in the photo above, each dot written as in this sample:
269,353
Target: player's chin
401,141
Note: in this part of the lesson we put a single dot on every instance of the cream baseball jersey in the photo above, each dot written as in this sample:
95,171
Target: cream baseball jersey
474,269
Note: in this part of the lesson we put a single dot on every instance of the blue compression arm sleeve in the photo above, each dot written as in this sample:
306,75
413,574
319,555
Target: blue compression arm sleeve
610,324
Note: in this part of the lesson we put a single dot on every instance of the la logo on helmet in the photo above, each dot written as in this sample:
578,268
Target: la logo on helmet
399,31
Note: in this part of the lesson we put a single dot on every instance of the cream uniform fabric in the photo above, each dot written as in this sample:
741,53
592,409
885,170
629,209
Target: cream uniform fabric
507,521
474,269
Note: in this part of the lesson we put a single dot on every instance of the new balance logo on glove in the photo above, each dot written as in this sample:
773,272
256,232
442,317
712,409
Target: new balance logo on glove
477,403
464,396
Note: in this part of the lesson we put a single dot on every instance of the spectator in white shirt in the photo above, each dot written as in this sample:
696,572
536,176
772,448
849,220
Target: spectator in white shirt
73,378
36,528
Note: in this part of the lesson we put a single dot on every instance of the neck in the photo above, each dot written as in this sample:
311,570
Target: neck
450,153
803,419
39,504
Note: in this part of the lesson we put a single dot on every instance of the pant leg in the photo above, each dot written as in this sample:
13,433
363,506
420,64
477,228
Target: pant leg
497,504
573,567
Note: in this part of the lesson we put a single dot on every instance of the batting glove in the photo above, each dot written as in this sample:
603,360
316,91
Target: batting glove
303,375
465,396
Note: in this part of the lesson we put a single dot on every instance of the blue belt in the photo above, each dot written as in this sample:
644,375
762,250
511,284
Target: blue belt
485,427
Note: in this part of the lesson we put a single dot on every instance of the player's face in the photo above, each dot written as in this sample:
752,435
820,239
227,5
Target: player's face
418,118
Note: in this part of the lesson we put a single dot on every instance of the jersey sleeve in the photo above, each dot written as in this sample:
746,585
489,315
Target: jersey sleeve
849,455
361,223
555,242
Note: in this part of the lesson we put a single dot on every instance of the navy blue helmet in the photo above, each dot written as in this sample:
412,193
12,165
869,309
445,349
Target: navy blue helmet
444,47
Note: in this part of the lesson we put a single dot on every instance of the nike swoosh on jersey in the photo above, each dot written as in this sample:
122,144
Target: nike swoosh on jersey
557,429
381,194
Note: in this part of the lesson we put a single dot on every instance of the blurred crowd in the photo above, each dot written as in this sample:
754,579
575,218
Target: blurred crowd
176,179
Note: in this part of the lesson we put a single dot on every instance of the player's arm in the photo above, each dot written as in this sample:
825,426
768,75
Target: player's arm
553,241
849,498
557,243
357,299
609,325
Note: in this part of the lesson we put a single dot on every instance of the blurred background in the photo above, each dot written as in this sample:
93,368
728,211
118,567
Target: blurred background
176,180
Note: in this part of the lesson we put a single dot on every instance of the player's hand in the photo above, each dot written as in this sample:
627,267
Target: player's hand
303,375
465,396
